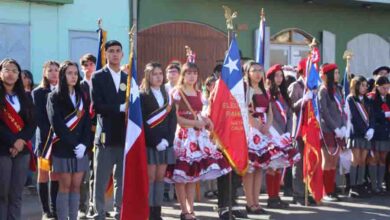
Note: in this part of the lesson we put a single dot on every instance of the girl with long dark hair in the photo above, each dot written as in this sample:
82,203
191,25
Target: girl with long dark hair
69,137
17,127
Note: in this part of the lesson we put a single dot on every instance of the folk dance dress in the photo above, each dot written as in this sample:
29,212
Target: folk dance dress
268,151
197,157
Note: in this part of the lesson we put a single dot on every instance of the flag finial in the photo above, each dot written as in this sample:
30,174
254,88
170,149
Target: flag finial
99,23
347,55
190,54
229,16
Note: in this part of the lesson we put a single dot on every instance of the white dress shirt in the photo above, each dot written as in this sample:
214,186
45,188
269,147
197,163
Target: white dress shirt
116,77
158,95
14,101
73,98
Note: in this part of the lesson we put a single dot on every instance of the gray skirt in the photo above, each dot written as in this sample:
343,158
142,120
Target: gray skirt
360,143
156,157
383,146
70,165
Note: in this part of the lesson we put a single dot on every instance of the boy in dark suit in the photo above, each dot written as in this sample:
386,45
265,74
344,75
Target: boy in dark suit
108,96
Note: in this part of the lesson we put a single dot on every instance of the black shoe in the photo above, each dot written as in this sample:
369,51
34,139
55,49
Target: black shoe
157,213
224,215
166,197
274,203
255,210
239,213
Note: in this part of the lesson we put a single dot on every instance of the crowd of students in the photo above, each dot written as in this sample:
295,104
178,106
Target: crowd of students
78,124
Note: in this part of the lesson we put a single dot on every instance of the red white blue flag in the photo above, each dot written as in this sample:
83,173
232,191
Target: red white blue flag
228,111
135,178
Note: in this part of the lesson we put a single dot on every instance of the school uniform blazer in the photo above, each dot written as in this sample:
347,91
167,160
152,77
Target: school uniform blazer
57,109
110,128
381,124
295,91
278,121
7,138
166,129
39,95
359,127
330,115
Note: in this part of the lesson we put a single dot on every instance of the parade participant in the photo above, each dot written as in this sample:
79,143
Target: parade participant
381,71
197,157
332,126
69,137
88,66
260,120
28,81
381,112
160,125
299,98
282,121
360,134
48,84
108,96
17,127
173,72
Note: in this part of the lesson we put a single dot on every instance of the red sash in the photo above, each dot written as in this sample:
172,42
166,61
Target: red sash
159,115
16,124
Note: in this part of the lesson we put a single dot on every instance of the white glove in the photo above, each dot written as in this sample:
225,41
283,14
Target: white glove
369,134
338,132
122,107
307,96
387,114
162,145
80,150
344,132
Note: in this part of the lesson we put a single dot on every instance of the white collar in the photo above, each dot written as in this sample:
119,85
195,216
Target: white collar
112,71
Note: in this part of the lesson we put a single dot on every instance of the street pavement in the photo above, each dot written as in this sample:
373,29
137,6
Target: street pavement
373,208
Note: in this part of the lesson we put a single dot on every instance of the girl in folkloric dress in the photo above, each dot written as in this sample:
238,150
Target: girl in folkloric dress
281,133
197,157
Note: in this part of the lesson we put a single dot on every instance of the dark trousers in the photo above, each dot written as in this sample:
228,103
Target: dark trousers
297,172
223,189
13,174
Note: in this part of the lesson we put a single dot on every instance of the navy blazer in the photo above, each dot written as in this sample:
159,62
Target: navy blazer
110,128
382,124
39,95
57,109
166,129
7,138
359,126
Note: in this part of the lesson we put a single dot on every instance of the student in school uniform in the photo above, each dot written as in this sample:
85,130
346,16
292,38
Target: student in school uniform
381,112
332,125
360,133
281,126
47,186
17,127
88,67
159,119
69,137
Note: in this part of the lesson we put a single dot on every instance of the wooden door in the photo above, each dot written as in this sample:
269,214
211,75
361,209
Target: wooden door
165,42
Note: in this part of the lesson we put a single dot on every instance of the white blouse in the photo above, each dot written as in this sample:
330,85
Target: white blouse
159,96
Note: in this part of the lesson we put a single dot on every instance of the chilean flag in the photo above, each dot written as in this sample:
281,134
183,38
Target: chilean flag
229,113
135,175
260,50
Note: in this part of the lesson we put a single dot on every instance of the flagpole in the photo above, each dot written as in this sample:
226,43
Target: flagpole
129,75
230,16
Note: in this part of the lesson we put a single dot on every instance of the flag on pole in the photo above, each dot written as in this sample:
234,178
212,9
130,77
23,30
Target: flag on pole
311,131
101,56
260,50
135,175
228,111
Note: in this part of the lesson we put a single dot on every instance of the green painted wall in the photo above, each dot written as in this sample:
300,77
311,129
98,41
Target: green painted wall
346,22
